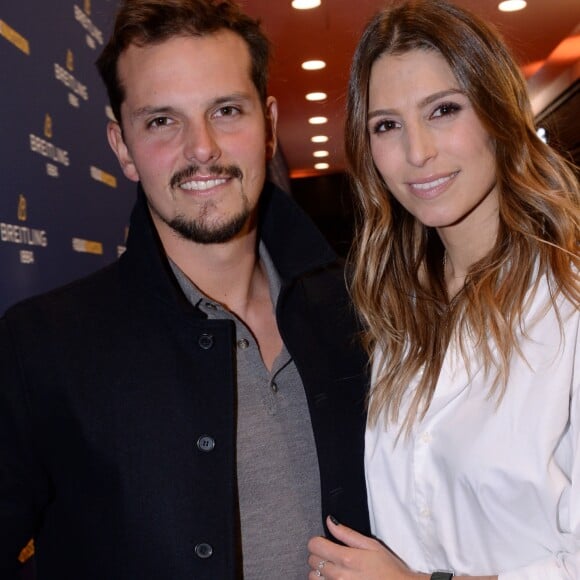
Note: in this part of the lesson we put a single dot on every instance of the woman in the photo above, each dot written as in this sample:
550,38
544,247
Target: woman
466,275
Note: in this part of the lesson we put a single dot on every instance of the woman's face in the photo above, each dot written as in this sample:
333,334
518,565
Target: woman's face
428,143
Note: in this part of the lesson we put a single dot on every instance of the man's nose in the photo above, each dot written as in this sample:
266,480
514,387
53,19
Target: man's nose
200,144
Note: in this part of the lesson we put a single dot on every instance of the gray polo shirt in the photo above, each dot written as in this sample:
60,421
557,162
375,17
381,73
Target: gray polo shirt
278,475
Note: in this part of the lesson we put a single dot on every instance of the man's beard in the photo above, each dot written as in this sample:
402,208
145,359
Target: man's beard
198,230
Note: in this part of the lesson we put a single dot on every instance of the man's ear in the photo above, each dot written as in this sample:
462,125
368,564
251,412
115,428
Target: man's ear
117,143
271,127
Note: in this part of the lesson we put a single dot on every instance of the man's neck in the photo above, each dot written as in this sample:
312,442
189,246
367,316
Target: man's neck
233,275
228,273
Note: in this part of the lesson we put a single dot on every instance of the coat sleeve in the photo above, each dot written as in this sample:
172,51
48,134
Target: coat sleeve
24,487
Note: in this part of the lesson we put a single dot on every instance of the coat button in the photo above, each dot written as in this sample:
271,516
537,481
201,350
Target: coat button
243,343
205,341
203,551
206,443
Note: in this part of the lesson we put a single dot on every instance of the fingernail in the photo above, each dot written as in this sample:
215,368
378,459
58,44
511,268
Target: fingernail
334,520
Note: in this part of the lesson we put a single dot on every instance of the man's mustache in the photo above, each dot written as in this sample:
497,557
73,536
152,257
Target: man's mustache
215,171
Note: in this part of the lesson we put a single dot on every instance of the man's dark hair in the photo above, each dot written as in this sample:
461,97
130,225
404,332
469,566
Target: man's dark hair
146,22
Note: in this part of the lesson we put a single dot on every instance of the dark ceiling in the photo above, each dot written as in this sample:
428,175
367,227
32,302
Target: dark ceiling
330,33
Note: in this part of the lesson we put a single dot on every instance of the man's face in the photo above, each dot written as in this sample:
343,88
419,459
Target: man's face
195,134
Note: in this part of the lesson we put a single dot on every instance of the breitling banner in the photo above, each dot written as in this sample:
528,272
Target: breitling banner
65,204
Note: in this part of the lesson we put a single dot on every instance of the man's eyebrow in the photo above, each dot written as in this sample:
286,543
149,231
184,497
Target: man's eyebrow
232,97
422,103
146,111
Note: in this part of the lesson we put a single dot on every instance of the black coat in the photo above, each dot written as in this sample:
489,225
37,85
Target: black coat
107,384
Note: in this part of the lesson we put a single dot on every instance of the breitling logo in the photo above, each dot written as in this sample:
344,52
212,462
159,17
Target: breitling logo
70,60
94,35
22,235
109,114
38,145
122,247
48,126
62,75
104,177
14,37
87,246
22,209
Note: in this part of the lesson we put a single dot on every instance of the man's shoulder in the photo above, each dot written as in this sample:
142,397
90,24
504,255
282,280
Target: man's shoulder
100,287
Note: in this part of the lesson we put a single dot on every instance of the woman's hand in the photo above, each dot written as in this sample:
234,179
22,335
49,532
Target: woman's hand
360,557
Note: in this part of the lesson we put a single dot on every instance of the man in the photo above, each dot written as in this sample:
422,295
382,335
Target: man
195,409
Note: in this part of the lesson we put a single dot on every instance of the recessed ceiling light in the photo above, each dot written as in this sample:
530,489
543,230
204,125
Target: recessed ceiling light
305,4
316,96
321,166
313,65
319,139
542,134
317,120
512,5
320,154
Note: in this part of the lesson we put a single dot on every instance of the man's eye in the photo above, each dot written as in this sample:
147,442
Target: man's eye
228,111
158,122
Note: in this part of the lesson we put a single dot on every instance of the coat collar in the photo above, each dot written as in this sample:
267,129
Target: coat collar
293,242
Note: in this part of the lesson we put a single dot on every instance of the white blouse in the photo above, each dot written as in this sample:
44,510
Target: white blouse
483,489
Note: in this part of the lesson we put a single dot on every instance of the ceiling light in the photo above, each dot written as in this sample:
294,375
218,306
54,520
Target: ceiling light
320,154
542,134
316,96
321,166
317,120
313,65
512,5
319,139
305,4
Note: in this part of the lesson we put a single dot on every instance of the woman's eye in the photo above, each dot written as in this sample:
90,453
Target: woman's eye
384,126
446,109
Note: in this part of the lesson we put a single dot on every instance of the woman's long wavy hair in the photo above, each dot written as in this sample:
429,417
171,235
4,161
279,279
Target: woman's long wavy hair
398,280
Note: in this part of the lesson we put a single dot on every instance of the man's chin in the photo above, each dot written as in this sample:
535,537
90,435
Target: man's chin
202,233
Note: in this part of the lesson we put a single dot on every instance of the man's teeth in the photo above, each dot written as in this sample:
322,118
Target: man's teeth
202,185
432,184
